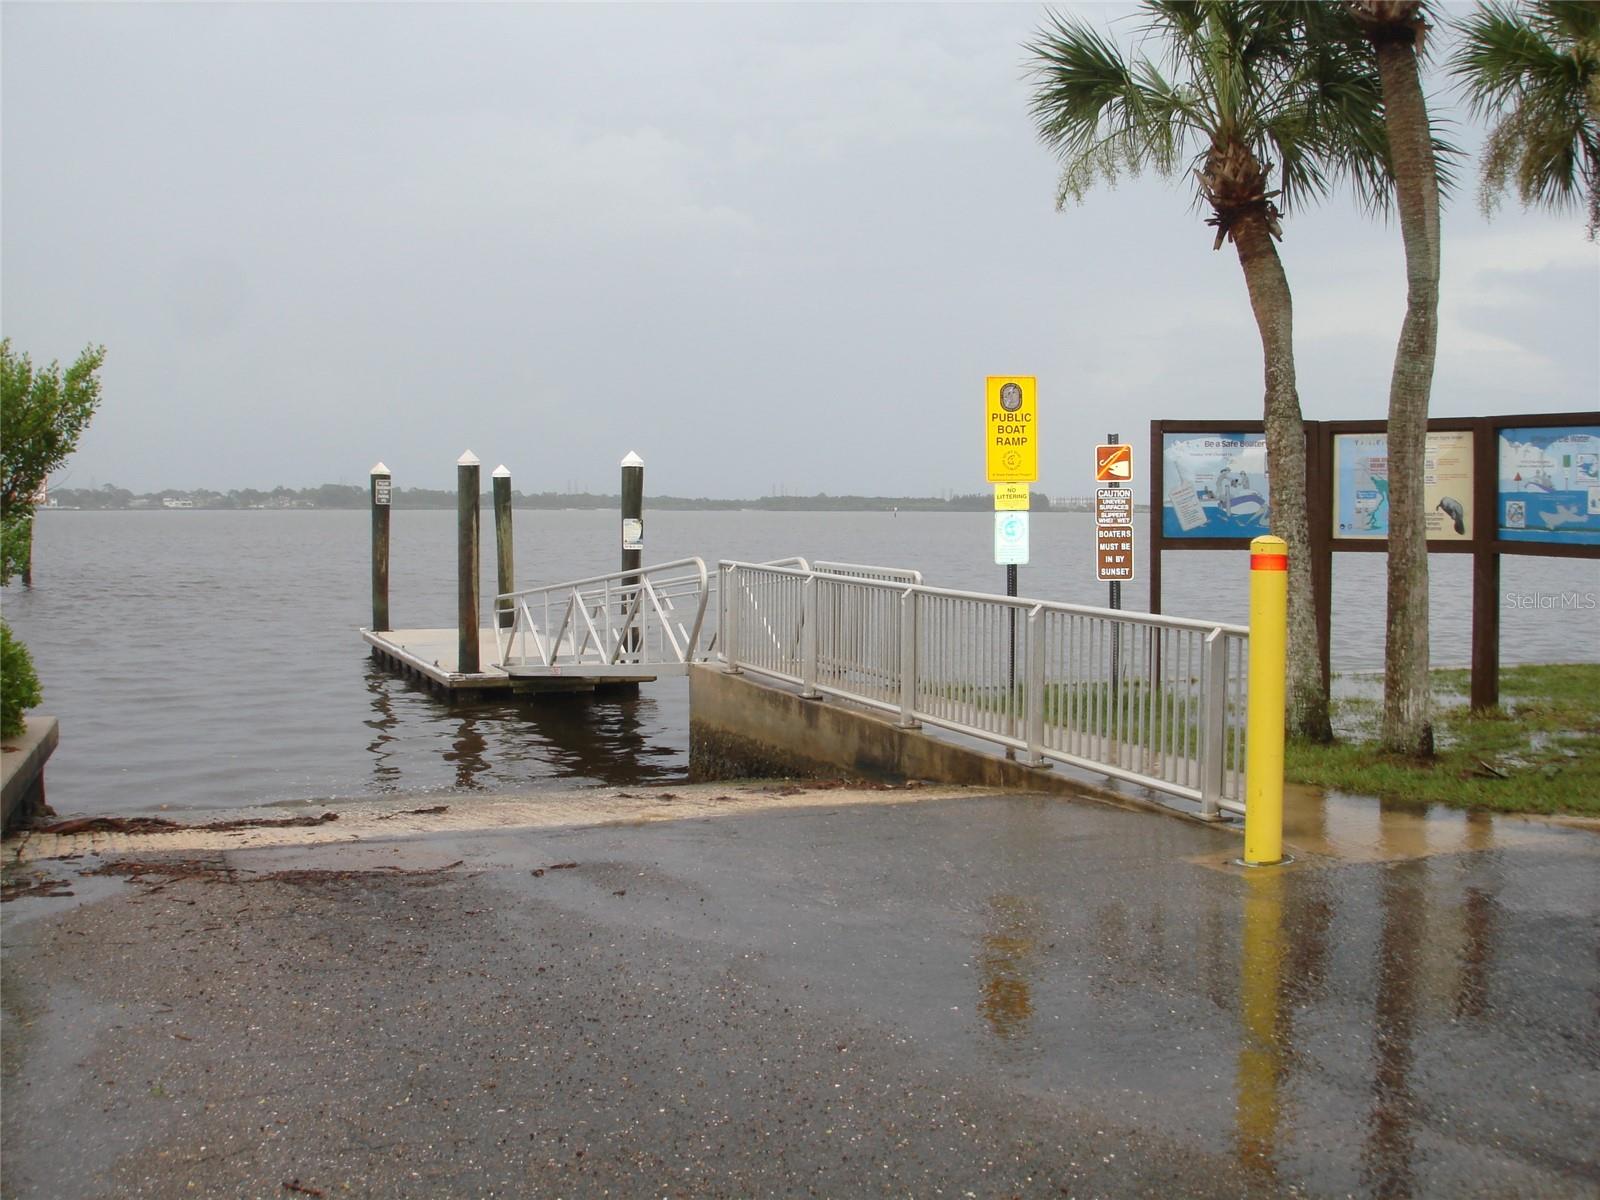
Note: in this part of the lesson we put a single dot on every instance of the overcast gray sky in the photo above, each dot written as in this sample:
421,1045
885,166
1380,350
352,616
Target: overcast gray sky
765,247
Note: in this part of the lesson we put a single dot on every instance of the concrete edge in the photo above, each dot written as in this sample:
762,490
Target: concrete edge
743,726
22,767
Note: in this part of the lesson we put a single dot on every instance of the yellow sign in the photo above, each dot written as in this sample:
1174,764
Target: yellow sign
1012,497
1011,431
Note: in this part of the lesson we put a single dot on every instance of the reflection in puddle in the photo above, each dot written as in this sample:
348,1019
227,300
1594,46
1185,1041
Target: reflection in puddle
1386,1156
1010,938
1356,829
1261,1065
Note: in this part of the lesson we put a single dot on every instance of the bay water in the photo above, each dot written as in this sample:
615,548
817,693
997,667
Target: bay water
210,659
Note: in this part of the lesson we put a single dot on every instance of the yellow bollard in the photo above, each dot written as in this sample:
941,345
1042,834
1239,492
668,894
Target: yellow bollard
1264,719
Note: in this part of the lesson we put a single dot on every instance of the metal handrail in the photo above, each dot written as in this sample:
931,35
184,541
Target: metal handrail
605,623
1150,699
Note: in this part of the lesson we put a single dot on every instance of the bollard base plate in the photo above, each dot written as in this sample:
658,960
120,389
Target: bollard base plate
1282,862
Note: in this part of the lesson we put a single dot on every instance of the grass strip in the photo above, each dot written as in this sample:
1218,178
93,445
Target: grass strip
1538,752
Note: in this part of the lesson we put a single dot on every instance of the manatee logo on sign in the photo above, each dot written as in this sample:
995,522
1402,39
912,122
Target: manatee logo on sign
1010,429
1011,539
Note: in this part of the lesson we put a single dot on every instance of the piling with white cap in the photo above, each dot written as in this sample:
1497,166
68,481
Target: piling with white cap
380,488
467,563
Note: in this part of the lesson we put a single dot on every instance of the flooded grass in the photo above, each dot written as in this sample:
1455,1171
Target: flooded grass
1538,752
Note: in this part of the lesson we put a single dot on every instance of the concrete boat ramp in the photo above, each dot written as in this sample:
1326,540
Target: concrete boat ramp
763,988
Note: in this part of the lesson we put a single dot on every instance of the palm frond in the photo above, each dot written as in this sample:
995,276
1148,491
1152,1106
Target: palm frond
1533,69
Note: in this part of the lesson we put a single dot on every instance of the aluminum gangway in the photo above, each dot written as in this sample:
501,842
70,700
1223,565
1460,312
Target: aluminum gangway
632,624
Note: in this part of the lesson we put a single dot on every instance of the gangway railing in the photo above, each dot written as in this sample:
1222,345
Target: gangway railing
1153,700
639,621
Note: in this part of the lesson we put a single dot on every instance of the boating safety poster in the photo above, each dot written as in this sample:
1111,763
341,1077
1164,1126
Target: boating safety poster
1215,484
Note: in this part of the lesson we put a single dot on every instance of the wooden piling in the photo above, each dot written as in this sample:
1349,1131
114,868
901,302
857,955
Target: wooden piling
632,511
632,525
381,487
505,574
467,563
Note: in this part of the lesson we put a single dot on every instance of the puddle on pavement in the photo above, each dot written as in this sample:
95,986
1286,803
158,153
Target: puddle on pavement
1361,829
1009,942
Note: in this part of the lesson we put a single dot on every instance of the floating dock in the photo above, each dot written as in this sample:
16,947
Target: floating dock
429,656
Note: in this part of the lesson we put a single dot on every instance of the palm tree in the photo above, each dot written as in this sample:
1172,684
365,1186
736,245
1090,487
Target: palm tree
1535,68
1395,31
1262,121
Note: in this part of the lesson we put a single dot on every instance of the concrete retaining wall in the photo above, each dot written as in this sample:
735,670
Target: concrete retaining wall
22,770
741,728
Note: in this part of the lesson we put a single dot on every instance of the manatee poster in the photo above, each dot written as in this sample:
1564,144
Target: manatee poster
1361,485
1216,485
1550,484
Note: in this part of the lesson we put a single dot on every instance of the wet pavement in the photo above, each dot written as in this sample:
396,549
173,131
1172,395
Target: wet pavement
969,995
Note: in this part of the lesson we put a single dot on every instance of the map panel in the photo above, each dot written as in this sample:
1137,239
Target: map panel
1361,485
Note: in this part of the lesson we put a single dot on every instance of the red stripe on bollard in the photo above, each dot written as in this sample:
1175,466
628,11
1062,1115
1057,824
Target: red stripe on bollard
1269,562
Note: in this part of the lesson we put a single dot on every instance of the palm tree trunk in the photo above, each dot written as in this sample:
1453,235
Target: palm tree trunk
1286,457
1407,726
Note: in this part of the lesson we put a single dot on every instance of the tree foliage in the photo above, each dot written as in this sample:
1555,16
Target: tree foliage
19,686
45,412
1533,69
1241,99
1262,117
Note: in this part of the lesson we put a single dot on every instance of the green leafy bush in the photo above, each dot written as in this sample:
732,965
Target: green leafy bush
19,686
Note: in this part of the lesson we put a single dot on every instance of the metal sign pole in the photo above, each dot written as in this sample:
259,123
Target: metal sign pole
1011,643
1112,439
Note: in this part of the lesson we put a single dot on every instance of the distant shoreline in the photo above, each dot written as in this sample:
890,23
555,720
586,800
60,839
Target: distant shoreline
345,496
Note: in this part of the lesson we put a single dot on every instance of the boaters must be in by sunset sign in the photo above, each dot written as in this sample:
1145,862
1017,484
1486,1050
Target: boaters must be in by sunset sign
1011,429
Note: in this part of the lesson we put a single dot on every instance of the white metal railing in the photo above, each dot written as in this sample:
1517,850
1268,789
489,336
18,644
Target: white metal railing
642,621
1154,700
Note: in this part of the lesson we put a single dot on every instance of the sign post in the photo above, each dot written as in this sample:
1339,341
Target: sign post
1113,466
1011,457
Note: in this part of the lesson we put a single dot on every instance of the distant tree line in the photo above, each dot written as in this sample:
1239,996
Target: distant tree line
339,495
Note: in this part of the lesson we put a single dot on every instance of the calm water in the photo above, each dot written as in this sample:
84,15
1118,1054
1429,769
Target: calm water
210,659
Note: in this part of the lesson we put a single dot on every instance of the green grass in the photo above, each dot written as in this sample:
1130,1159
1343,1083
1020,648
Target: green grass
1544,740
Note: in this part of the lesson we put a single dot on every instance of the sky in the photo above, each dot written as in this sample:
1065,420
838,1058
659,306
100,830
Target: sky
768,248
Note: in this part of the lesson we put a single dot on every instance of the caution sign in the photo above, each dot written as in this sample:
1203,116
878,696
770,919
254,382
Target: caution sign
1011,497
1010,429
1113,506
1114,553
1113,464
